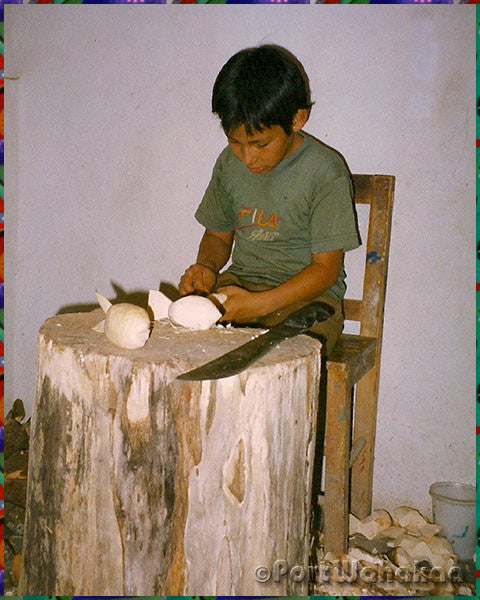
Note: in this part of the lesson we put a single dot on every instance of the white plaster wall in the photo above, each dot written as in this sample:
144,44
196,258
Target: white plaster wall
110,144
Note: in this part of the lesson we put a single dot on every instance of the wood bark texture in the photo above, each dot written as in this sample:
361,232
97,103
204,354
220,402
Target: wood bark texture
140,484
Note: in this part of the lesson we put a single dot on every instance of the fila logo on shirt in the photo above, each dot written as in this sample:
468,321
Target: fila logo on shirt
265,227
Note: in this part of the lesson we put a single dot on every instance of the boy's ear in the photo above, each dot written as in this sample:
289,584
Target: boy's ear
300,118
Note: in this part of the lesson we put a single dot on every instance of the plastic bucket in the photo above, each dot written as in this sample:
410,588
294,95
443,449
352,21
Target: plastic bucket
453,507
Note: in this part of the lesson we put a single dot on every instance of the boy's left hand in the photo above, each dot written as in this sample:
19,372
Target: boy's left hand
241,306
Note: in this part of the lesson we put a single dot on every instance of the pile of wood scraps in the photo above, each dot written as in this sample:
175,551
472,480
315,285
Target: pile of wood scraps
393,554
16,462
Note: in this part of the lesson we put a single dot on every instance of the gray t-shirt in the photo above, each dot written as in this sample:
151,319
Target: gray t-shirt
302,207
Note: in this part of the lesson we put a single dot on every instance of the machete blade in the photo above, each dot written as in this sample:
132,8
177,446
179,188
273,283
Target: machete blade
238,359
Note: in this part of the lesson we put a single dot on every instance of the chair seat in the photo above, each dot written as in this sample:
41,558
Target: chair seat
353,355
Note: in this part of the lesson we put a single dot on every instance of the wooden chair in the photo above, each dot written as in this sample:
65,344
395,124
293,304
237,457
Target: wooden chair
355,360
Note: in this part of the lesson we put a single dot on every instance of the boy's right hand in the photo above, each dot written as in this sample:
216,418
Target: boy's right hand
197,279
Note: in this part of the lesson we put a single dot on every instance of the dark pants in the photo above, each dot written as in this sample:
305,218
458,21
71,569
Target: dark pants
328,330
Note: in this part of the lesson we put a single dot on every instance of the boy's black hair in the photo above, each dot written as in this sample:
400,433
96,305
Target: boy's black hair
260,87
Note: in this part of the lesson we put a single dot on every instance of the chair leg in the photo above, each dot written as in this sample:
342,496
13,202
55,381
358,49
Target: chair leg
337,456
366,399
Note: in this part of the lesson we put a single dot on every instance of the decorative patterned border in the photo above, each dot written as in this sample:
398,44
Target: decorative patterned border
2,362
478,285
235,2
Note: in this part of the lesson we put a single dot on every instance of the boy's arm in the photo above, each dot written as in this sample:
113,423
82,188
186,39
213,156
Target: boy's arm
243,306
213,253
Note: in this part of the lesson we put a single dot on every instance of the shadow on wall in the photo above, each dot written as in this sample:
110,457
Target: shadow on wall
137,297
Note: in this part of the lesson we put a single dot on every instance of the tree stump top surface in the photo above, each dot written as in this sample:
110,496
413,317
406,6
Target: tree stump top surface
177,346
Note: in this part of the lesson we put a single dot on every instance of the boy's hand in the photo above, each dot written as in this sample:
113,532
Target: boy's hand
241,306
197,279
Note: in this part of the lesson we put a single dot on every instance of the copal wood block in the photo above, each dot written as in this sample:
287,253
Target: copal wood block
140,484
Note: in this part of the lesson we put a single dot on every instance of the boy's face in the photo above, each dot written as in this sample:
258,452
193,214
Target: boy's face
262,151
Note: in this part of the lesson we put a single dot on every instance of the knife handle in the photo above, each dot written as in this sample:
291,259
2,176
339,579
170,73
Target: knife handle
306,317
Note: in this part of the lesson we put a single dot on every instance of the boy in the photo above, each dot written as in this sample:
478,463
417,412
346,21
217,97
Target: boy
280,198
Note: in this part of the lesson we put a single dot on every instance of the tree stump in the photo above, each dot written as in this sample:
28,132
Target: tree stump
140,484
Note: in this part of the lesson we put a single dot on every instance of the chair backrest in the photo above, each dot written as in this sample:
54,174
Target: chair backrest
377,191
